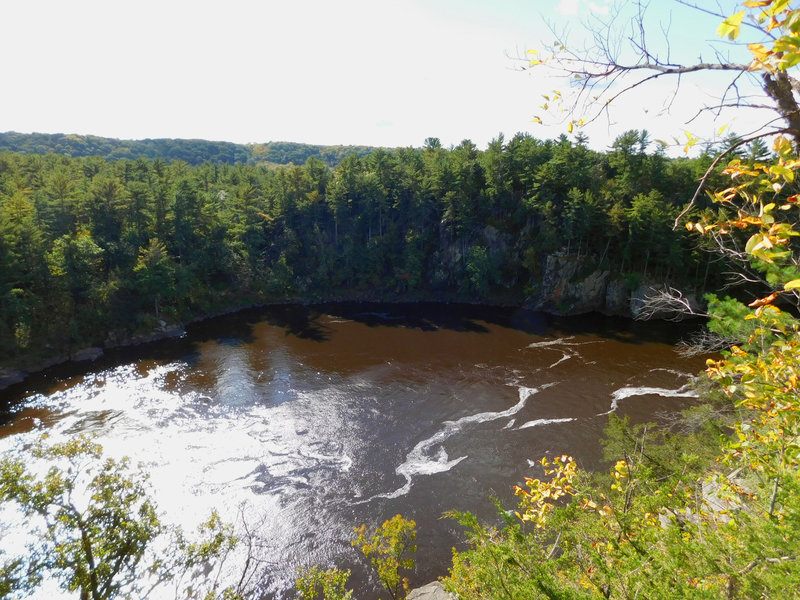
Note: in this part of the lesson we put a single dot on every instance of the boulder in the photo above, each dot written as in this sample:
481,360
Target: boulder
433,591
618,297
9,377
90,353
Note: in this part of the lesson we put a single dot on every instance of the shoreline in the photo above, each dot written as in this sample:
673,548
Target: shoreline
15,374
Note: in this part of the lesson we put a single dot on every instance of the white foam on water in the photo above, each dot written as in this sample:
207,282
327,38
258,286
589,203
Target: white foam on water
196,463
540,422
565,356
673,371
563,345
556,342
567,341
421,460
685,391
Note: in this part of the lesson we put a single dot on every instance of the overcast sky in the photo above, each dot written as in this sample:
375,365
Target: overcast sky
371,72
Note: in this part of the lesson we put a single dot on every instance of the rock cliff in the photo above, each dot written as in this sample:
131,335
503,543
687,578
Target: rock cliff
572,285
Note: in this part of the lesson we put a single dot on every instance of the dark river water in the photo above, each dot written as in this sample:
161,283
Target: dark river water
306,422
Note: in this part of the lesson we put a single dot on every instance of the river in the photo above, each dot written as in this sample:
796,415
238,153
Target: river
308,421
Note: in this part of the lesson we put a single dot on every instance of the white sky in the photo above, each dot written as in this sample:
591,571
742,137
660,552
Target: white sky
372,72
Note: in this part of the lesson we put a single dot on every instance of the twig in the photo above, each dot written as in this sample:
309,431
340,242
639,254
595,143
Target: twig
714,164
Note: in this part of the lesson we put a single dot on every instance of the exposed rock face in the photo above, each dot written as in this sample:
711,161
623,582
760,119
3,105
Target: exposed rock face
162,332
571,285
618,298
10,377
91,353
566,290
432,591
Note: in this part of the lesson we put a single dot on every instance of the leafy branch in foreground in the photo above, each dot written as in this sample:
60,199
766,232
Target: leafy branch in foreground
95,529
314,583
388,549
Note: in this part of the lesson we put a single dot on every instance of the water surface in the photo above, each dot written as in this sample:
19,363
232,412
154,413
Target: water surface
308,421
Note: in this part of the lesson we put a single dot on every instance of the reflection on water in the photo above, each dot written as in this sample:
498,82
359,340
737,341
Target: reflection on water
309,421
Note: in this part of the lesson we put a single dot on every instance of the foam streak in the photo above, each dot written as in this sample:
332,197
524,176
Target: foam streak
419,461
685,391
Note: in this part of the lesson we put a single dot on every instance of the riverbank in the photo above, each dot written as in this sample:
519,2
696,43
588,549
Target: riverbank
562,293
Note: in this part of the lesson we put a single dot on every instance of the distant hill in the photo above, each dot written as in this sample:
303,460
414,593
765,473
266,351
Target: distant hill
191,151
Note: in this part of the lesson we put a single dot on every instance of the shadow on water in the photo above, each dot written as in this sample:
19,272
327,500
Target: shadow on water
422,316
305,322
430,316
237,328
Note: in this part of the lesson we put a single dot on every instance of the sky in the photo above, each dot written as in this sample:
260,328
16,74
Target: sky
350,72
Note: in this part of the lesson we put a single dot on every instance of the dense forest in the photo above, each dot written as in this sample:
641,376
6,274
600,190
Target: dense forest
92,248
705,504
194,152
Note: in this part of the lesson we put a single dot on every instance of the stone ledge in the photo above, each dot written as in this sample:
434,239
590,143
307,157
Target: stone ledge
433,591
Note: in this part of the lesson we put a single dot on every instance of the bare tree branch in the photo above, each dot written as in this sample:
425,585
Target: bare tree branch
614,63
666,303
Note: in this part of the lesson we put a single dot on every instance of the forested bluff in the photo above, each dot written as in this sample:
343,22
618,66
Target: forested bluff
95,251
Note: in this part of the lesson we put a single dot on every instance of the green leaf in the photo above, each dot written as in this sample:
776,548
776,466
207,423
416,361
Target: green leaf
786,173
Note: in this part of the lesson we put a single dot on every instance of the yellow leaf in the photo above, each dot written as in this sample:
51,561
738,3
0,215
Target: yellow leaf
778,6
759,51
764,301
782,146
792,285
536,119
757,3
731,26
569,127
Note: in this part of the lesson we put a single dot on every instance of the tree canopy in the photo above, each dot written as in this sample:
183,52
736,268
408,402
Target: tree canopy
92,250
193,152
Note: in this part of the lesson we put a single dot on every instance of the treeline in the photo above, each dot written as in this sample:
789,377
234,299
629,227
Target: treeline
91,247
193,152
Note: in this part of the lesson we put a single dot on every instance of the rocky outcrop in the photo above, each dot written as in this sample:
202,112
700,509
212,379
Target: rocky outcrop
618,297
10,376
573,285
432,591
86,354
566,289
162,332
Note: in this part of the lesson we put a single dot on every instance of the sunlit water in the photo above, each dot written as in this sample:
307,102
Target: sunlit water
308,422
